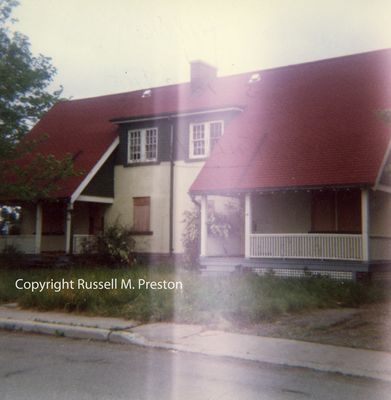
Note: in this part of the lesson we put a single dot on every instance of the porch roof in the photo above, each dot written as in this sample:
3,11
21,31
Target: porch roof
309,125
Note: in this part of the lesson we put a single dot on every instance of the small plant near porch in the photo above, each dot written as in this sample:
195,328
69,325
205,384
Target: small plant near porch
191,238
113,246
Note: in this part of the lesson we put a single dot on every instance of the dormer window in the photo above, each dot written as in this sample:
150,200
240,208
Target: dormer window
204,137
142,145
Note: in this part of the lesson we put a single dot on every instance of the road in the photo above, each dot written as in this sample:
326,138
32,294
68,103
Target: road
42,367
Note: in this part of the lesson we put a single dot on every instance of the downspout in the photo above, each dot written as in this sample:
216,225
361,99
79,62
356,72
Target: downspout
171,199
68,228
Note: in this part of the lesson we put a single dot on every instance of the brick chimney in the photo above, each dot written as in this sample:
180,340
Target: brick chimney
201,74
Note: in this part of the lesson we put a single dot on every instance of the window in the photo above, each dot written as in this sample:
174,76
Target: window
141,214
142,145
204,137
216,130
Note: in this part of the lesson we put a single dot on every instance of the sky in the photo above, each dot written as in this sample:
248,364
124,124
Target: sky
109,46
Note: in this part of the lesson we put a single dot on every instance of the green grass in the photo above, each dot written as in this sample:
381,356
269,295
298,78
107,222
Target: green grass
241,298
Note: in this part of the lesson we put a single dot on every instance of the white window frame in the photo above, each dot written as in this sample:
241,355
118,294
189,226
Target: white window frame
207,138
143,145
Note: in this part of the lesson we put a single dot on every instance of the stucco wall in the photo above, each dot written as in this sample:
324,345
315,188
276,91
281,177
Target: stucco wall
380,213
143,181
282,212
153,181
380,225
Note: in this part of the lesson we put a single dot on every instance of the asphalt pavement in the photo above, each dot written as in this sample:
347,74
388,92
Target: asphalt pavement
198,339
37,367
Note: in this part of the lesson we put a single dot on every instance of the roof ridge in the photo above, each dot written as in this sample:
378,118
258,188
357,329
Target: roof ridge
237,75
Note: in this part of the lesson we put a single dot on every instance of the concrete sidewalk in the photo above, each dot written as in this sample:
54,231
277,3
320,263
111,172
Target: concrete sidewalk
196,339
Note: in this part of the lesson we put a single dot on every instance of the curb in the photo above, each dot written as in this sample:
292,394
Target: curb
124,337
74,332
135,339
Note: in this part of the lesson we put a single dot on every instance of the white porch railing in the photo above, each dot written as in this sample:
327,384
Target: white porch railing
313,246
82,243
24,243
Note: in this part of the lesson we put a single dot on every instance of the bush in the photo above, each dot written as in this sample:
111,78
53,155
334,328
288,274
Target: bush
114,245
191,238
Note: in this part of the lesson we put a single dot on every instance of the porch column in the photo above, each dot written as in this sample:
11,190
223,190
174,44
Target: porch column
38,228
365,224
247,224
203,225
68,228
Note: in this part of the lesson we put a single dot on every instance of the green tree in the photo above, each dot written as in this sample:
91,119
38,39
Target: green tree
24,97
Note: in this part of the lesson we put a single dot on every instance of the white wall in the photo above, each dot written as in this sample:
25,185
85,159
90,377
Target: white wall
380,225
143,181
380,213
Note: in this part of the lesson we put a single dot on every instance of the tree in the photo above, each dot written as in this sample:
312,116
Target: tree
24,97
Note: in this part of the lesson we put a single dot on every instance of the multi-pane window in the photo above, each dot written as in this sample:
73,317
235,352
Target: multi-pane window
203,138
198,138
142,145
216,130
151,144
134,145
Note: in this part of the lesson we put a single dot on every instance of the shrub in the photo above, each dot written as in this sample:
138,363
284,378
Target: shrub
191,238
115,244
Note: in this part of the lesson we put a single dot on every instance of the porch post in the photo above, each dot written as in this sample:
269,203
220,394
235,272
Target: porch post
68,228
365,224
247,224
38,228
204,226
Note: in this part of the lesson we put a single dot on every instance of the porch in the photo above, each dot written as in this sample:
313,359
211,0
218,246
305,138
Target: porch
344,229
307,246
57,227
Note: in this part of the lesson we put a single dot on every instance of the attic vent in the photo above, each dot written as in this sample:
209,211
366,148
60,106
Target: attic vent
146,93
255,78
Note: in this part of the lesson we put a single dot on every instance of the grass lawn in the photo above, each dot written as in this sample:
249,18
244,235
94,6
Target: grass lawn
245,298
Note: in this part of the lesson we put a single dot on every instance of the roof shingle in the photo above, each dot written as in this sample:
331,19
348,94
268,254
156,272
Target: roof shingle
313,124
303,125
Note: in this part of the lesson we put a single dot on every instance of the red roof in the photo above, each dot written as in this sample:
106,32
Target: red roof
83,127
302,125
306,125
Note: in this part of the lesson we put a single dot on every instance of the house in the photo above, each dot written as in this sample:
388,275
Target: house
303,149
310,159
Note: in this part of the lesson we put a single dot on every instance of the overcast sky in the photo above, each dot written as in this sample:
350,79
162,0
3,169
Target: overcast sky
110,46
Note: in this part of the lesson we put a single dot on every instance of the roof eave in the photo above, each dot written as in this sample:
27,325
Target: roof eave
140,118
232,191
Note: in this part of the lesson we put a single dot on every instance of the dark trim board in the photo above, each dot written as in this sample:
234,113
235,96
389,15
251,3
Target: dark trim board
285,268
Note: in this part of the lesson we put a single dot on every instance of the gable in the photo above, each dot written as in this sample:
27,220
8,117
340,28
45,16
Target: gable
102,184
